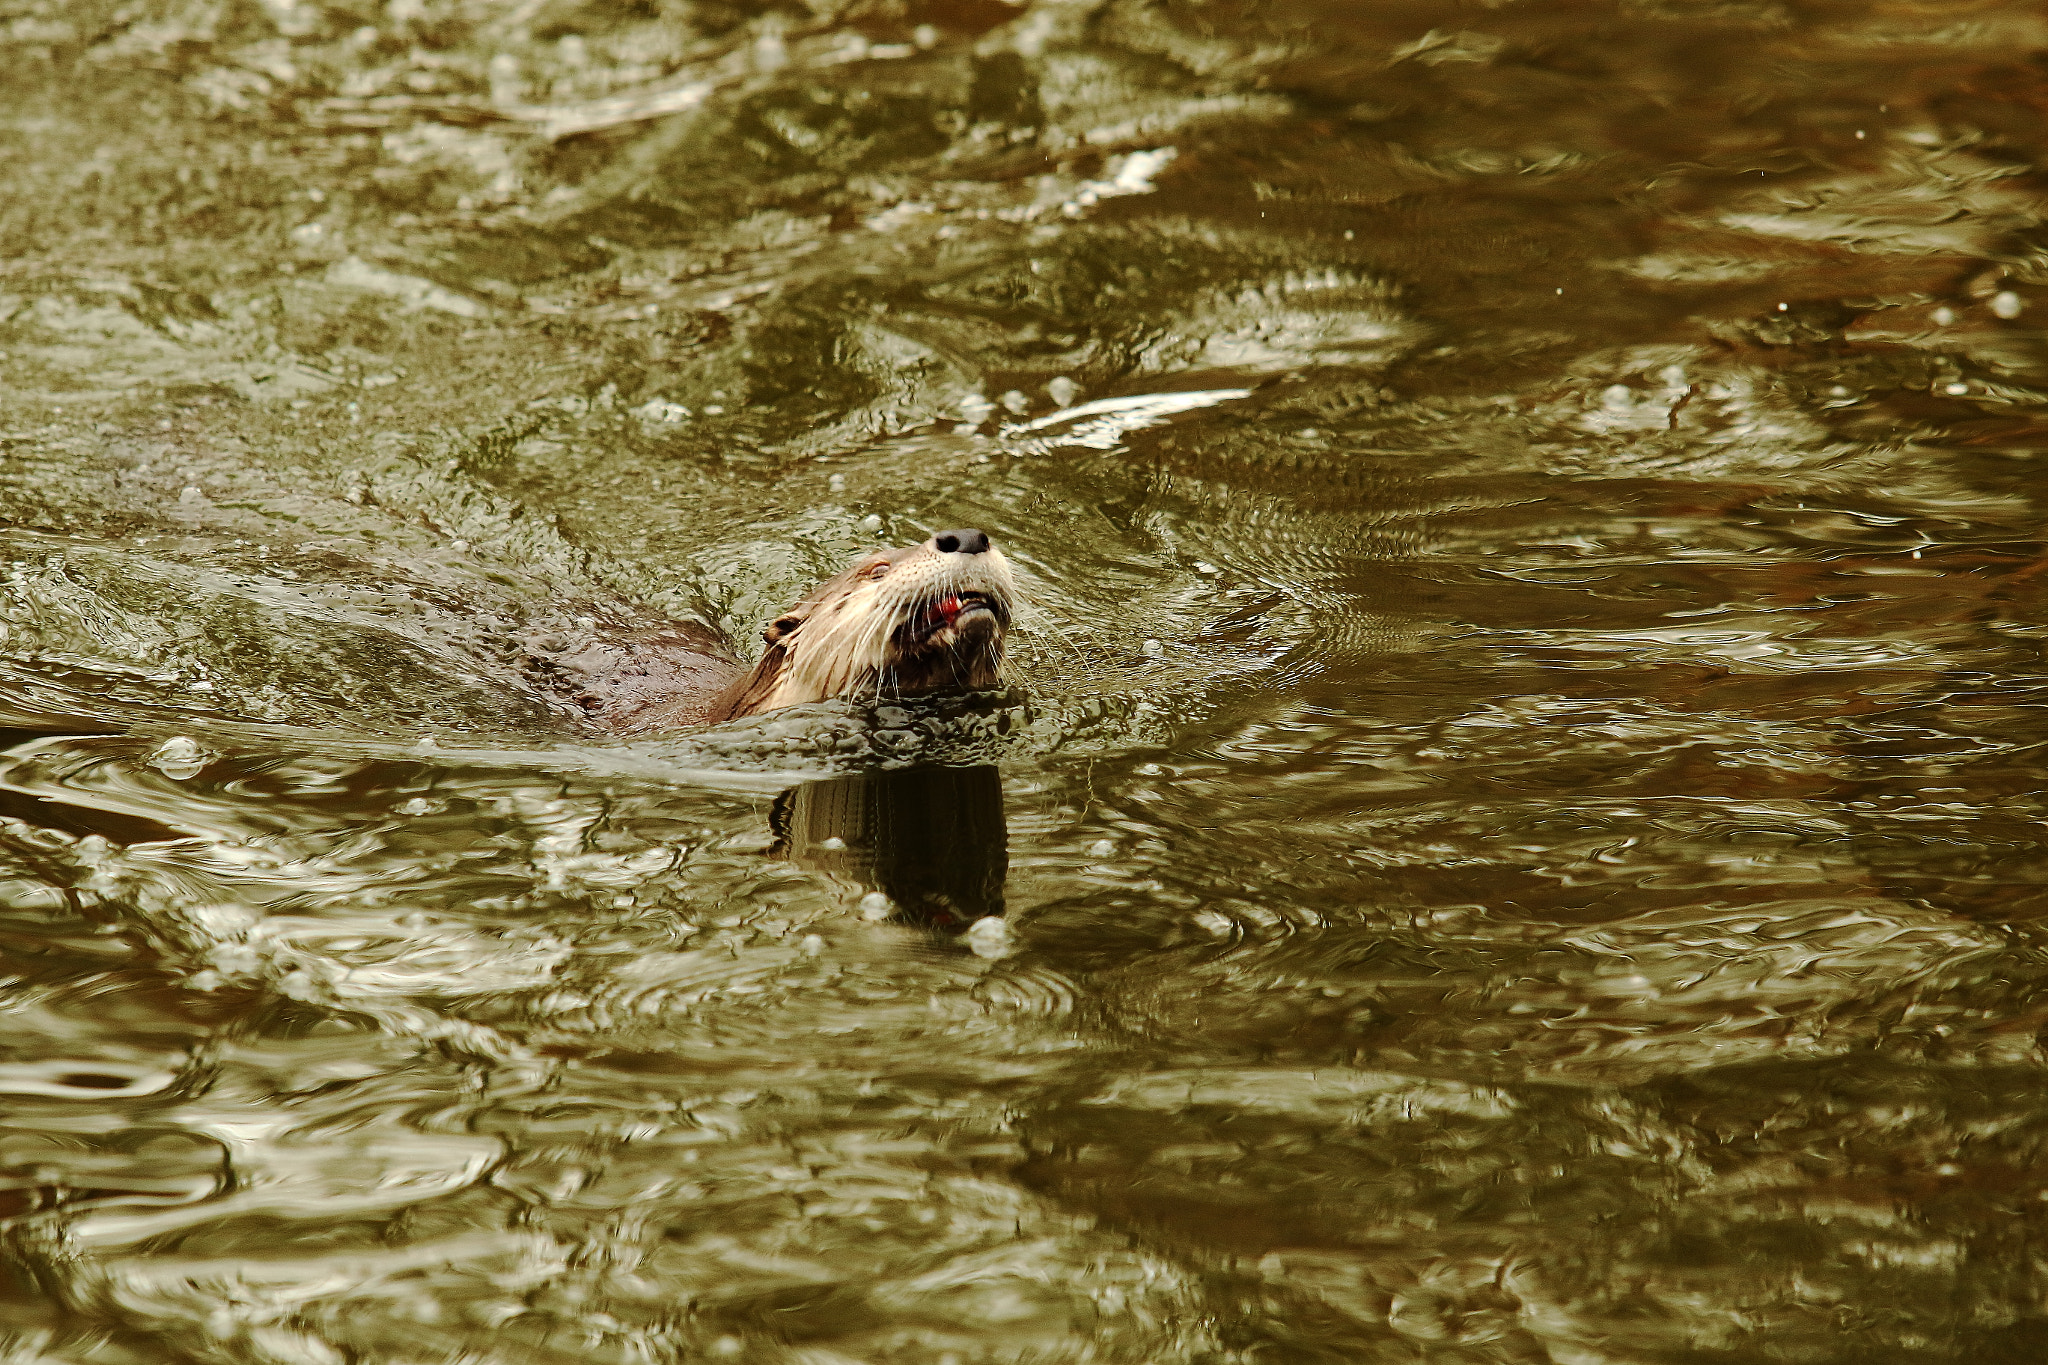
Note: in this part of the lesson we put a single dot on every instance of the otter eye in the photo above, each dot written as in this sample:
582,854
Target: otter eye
874,571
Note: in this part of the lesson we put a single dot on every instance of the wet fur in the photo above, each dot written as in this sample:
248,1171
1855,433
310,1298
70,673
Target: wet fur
868,636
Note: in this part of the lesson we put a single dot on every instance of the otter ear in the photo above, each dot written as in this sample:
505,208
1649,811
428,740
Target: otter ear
780,627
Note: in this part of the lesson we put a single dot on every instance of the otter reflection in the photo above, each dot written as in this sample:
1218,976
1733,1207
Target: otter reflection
930,839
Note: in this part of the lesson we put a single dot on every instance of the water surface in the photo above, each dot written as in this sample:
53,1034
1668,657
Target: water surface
1517,838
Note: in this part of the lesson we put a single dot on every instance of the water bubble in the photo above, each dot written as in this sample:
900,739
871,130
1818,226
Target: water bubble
2007,304
179,758
989,938
1062,390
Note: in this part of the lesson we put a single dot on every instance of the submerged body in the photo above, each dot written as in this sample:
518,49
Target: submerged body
896,623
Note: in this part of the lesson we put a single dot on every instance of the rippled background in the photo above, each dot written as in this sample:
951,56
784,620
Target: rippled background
1519,833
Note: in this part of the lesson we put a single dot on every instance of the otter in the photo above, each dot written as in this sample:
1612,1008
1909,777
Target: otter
895,623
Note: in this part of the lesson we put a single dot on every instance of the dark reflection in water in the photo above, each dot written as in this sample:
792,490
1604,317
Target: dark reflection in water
1523,836
930,841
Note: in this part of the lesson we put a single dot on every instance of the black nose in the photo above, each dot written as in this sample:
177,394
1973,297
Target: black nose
960,542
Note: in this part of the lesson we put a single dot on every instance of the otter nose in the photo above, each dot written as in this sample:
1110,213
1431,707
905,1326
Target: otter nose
960,542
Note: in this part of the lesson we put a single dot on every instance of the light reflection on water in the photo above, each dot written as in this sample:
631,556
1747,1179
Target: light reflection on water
1518,837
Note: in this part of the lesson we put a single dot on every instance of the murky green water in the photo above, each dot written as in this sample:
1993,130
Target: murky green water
1520,833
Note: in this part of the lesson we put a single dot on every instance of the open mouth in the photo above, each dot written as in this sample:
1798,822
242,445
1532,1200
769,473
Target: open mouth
950,611
966,604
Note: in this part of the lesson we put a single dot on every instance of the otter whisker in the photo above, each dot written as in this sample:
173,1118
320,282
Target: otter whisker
1061,635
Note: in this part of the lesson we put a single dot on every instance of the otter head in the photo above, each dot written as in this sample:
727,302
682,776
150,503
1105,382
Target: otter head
928,618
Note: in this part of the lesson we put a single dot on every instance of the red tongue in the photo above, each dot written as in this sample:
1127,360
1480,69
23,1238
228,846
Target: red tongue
950,609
